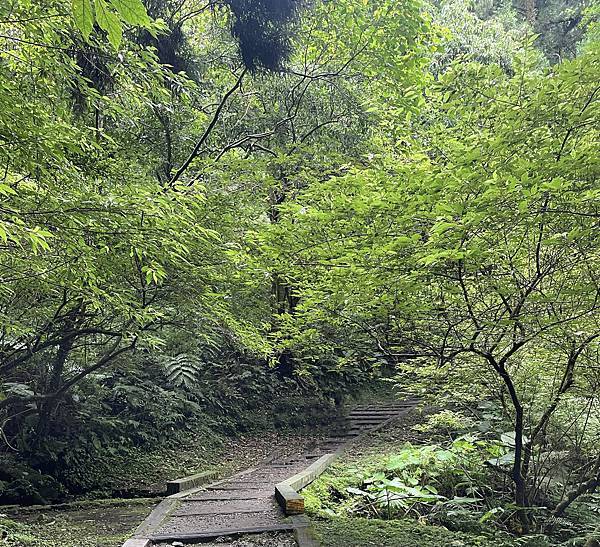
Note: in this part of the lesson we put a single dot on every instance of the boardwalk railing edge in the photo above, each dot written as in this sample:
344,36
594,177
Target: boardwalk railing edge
191,481
286,492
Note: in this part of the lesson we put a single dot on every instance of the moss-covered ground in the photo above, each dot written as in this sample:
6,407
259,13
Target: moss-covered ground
361,532
105,523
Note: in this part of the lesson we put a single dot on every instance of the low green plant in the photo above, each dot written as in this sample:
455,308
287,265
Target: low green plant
14,534
418,480
446,421
422,481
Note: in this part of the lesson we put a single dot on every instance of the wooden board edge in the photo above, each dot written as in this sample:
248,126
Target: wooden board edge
187,483
286,492
136,542
200,536
288,499
151,523
304,533
304,478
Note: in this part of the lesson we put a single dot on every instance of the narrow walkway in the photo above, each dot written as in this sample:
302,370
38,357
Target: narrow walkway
245,503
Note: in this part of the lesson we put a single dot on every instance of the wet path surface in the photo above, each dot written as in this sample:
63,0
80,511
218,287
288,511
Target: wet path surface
245,502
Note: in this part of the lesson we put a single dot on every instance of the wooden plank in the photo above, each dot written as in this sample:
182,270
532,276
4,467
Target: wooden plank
286,492
383,408
368,423
221,511
137,543
290,501
151,523
304,478
388,412
221,495
361,419
155,519
370,416
250,484
192,481
217,507
239,487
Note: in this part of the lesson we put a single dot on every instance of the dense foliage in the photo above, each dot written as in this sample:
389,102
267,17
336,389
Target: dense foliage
209,209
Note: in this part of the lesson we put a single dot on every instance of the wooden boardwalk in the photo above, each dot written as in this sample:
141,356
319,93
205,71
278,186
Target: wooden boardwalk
245,502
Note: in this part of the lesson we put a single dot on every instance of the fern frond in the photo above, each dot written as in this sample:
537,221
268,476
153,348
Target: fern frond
182,370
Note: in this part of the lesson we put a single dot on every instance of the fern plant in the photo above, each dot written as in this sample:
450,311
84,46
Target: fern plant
182,370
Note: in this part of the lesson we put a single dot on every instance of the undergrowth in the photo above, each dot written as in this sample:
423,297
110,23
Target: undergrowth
440,481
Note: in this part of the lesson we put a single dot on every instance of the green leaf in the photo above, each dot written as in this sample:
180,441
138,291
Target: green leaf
83,14
109,22
464,500
132,12
6,190
491,513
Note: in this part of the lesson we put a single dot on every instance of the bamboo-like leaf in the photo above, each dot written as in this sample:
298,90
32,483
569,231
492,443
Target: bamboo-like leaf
109,22
83,13
132,12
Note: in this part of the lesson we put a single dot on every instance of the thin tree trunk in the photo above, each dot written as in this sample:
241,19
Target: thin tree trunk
589,485
519,480
47,408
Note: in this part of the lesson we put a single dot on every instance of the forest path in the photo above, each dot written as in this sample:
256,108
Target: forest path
245,502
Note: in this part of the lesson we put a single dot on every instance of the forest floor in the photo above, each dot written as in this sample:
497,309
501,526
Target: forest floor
108,522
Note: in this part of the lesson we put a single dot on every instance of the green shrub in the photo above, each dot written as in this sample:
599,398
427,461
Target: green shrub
446,421
428,480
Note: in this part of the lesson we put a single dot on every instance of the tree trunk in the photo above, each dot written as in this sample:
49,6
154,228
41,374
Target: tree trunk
47,408
517,470
517,476
530,12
